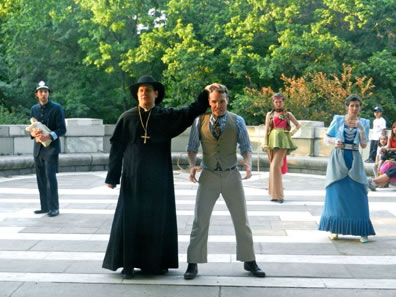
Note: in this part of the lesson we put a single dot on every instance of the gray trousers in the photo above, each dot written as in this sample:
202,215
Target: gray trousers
211,185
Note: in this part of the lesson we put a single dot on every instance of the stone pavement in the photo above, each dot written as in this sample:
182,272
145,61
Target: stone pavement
62,256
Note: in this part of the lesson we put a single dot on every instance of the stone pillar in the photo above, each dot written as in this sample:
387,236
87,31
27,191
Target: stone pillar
84,135
6,142
23,144
256,136
305,138
108,130
179,143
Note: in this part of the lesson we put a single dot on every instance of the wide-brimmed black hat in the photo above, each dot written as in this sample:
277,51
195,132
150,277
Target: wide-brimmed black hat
42,85
148,80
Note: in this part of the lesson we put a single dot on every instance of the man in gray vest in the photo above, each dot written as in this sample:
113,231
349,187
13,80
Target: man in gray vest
219,133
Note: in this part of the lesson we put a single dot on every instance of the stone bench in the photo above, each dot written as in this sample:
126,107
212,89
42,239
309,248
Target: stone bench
19,165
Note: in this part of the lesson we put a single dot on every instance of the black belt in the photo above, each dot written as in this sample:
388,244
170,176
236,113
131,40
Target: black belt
228,169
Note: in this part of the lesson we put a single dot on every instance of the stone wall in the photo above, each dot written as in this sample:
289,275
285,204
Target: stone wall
83,136
92,136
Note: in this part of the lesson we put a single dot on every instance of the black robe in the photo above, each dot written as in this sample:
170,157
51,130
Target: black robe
144,230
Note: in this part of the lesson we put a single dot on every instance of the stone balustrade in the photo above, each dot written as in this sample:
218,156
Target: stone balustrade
83,136
92,136
87,143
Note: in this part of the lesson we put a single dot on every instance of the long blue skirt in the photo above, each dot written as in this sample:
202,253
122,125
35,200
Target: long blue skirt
346,209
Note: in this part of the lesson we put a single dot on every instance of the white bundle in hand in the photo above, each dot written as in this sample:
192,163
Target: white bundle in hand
37,126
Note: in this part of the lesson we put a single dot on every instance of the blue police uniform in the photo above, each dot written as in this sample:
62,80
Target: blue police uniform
46,158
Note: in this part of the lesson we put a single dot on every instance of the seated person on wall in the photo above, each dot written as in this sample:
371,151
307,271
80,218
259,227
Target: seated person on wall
388,177
383,141
388,157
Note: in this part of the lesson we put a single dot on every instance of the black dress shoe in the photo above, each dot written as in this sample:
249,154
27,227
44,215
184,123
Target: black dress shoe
192,271
277,200
253,268
128,273
53,213
164,271
40,211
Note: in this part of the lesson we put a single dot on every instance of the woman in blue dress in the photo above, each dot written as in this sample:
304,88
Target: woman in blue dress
346,209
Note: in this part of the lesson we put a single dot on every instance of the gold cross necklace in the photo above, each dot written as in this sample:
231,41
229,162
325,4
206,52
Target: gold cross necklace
145,137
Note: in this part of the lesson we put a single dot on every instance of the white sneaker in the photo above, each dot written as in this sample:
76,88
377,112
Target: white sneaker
371,184
333,236
363,239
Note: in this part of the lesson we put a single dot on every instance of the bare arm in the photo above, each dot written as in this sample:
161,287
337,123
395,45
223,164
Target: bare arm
389,146
267,123
363,139
295,122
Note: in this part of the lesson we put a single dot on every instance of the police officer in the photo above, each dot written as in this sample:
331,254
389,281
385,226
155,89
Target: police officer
46,158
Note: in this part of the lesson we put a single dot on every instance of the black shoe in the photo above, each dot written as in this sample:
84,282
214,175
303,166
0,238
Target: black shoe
40,211
163,271
253,268
277,200
192,271
53,213
371,184
128,273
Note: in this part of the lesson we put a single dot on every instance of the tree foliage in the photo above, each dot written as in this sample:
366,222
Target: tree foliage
90,51
314,96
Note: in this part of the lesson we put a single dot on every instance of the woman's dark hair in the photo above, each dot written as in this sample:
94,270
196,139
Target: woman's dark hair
278,95
393,135
351,98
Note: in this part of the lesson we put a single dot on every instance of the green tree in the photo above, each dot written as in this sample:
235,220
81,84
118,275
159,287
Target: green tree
112,30
90,51
43,43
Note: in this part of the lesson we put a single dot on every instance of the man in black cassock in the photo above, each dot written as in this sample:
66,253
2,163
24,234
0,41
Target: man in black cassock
144,230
